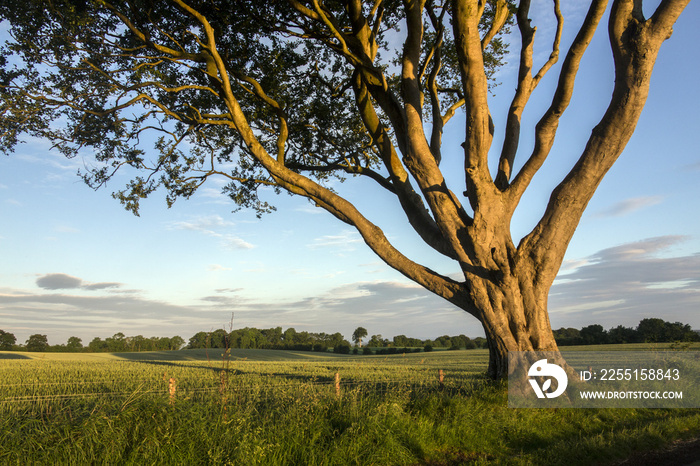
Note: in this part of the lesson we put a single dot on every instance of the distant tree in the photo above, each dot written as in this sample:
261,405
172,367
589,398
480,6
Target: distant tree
335,339
651,330
303,338
376,341
400,341
678,331
97,345
481,342
117,343
176,343
272,337
320,347
460,341
594,335
342,347
288,336
7,339
218,339
358,335
622,334
139,343
37,342
198,340
74,344
415,342
442,342
568,336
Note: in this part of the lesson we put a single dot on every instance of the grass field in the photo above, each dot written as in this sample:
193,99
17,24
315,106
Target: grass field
279,407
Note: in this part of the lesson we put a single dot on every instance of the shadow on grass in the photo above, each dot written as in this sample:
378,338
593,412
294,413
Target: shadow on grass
8,355
215,355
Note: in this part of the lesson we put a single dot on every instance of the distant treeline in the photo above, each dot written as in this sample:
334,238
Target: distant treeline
118,343
648,331
290,339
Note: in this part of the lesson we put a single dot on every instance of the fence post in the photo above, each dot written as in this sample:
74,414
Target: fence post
441,379
172,390
337,384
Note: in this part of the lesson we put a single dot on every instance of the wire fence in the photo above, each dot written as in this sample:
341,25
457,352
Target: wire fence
228,385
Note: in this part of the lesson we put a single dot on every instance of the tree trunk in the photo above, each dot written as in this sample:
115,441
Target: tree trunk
513,313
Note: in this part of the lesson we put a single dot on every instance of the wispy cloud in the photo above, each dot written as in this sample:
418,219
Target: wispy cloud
693,166
60,315
218,268
617,285
626,283
628,206
211,226
310,209
214,196
346,240
66,229
205,224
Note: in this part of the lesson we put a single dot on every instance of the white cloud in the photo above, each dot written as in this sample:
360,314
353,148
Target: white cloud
213,196
346,240
233,242
206,224
211,226
66,229
616,286
218,268
626,283
60,315
628,206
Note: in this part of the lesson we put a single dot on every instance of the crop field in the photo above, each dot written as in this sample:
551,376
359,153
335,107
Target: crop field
281,407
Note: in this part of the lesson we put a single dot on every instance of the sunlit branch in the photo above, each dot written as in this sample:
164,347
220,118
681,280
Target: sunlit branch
526,86
547,126
499,20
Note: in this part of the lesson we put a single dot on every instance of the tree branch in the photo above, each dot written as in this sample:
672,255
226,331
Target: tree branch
526,86
479,127
635,45
547,126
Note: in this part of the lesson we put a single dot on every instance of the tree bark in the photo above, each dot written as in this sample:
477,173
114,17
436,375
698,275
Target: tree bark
514,317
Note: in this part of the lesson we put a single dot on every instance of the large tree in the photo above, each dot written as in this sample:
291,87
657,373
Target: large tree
7,340
291,93
358,335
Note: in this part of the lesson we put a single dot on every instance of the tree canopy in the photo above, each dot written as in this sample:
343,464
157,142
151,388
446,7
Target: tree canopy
290,94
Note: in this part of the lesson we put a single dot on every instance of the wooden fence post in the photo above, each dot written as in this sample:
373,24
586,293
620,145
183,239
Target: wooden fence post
337,384
172,390
441,379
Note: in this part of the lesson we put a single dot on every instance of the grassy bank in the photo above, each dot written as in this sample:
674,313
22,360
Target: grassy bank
259,407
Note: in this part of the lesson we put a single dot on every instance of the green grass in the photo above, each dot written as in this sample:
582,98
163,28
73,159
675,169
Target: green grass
273,407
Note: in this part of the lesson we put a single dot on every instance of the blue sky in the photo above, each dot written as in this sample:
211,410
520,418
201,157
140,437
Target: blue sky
75,263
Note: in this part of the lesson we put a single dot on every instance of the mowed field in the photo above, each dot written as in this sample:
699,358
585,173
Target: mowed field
283,407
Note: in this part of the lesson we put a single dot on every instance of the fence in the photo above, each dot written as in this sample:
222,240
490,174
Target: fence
171,390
